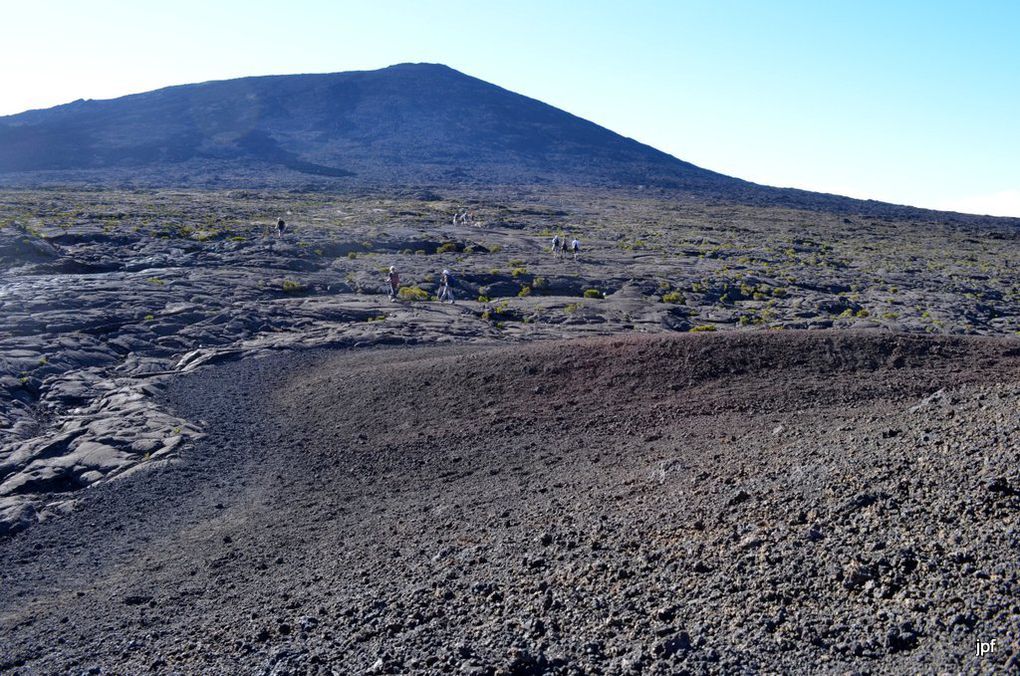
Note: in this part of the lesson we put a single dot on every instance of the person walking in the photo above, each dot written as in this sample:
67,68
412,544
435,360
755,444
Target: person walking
556,245
575,247
394,279
446,287
280,227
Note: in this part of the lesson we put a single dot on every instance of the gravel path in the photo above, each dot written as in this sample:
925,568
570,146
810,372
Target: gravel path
756,502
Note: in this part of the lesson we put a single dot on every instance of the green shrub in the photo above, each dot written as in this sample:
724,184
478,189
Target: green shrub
412,293
352,254
593,293
673,297
539,283
517,272
703,327
290,286
524,292
447,247
483,299
495,248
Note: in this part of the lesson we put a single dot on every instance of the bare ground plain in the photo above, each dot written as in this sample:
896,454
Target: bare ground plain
223,452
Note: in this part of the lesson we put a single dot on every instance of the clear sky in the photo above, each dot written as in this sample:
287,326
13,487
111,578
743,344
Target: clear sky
909,101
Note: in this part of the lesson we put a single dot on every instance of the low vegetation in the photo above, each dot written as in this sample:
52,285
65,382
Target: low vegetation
413,293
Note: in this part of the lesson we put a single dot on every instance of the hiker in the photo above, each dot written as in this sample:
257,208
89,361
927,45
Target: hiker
280,227
446,287
563,247
394,279
556,245
575,246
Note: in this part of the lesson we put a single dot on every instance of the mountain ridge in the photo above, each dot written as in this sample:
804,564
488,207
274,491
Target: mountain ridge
411,124
327,124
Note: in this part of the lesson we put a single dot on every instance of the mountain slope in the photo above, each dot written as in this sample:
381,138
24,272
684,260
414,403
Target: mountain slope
411,122
406,125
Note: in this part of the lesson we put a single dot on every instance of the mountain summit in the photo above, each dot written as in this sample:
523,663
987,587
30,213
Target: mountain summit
420,123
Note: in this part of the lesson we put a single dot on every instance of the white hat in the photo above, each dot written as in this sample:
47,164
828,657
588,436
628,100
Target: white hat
392,269
446,272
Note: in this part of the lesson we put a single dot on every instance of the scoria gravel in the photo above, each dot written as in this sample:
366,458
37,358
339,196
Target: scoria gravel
736,503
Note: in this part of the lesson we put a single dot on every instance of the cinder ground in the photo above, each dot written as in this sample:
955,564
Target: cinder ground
108,297
105,294
740,503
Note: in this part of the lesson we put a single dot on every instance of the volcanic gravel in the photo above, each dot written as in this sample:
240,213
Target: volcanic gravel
739,503
107,295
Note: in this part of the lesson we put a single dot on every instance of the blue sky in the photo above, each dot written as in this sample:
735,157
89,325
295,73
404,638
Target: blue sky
910,102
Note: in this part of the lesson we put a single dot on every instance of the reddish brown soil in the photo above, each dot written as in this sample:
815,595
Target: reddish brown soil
770,501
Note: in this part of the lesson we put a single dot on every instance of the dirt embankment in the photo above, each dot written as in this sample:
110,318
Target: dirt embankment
756,502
